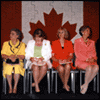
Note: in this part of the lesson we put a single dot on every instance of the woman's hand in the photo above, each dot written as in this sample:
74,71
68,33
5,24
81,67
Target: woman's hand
90,60
65,60
12,58
41,59
32,59
62,61
40,62
20,57
54,59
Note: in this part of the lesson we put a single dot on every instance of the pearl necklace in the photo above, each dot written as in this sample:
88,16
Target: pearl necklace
85,40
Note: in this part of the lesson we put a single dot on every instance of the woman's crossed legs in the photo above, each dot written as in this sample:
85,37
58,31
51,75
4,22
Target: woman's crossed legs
91,72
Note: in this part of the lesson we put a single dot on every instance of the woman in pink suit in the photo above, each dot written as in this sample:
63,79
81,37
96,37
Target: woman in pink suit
86,58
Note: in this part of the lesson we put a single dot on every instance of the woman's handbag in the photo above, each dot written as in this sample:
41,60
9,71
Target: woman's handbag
8,61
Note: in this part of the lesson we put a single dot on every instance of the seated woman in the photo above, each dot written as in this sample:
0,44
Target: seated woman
13,52
38,53
62,53
86,58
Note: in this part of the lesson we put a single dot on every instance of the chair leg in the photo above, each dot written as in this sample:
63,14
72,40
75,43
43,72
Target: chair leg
94,85
27,82
98,82
30,83
73,82
24,82
5,85
51,81
56,83
80,80
48,79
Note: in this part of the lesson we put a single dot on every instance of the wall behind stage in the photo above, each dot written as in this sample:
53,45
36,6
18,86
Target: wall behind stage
10,18
91,17
32,11
19,14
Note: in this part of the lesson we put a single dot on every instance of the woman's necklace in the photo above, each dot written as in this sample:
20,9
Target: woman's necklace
86,40
62,43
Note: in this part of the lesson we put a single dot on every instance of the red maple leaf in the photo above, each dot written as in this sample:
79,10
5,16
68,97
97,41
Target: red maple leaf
53,22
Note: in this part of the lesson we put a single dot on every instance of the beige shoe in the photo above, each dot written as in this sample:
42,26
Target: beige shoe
10,90
15,90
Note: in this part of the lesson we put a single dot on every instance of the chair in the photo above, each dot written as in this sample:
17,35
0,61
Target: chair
52,74
94,81
24,78
29,76
5,82
73,72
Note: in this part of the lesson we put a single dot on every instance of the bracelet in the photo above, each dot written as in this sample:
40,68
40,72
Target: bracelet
43,58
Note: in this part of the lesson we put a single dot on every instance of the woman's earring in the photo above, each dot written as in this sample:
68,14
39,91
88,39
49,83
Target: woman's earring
82,33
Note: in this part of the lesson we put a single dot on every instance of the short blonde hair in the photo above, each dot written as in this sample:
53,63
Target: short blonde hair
66,32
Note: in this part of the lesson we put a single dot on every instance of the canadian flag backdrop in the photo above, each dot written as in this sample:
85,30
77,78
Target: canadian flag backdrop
49,16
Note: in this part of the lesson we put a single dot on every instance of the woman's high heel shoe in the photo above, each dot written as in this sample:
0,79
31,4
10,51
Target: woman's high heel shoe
15,90
10,90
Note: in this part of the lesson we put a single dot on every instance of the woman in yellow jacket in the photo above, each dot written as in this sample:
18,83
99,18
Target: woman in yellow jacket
13,53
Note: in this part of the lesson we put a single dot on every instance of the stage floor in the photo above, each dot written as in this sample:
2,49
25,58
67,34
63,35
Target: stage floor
62,94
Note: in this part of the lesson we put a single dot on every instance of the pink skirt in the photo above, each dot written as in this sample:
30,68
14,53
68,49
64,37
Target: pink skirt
82,65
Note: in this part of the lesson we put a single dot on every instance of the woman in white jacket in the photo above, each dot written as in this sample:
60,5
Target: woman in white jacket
38,54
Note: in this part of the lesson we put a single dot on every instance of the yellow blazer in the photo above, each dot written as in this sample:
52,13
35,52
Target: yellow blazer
10,49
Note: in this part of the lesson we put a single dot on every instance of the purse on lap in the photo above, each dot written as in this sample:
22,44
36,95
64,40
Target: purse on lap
8,61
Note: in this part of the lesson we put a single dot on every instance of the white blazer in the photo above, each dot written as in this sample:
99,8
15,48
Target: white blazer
46,52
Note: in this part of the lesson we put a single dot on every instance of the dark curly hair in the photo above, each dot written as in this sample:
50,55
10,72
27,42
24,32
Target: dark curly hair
83,28
40,33
19,33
